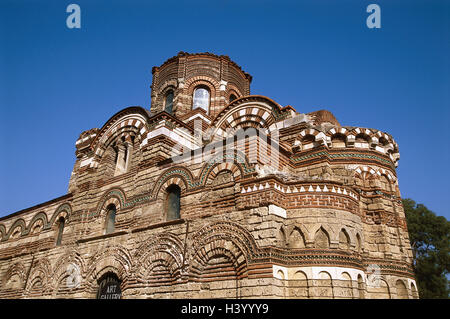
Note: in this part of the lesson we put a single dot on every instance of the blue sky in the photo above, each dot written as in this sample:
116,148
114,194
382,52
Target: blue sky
56,82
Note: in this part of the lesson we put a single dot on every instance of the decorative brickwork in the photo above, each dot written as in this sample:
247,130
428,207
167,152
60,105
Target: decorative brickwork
270,202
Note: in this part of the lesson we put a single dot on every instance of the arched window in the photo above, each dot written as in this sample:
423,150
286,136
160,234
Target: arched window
232,98
110,219
61,222
201,99
109,287
173,202
168,105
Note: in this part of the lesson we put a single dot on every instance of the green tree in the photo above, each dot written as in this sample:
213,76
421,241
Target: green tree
430,241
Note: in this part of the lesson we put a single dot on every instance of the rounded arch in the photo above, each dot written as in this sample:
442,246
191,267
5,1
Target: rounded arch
165,88
379,291
39,278
214,170
159,259
112,258
402,291
63,210
310,137
14,277
225,242
42,217
180,176
209,84
69,268
338,140
115,196
18,223
359,243
132,119
236,162
325,285
256,110
193,82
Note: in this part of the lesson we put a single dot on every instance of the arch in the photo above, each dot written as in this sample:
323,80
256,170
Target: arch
208,172
164,89
235,161
38,283
112,258
68,274
280,274
379,291
220,258
232,96
193,82
115,196
206,82
14,277
41,216
362,140
324,285
402,291
132,119
296,238
344,239
299,285
177,175
358,247
232,90
224,243
168,101
338,140
18,223
300,275
311,137
322,239
63,210
361,294
249,111
109,281
344,287
160,260
282,238
201,98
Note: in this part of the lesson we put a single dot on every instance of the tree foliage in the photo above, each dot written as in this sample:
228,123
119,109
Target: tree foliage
429,235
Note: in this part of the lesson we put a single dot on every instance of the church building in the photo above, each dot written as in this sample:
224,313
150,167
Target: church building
216,193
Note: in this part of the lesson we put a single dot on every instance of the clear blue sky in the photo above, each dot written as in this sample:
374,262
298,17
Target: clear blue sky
56,82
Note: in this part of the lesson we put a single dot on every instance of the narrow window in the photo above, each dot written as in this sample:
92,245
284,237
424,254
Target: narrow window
201,99
173,202
61,223
232,98
110,219
169,102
